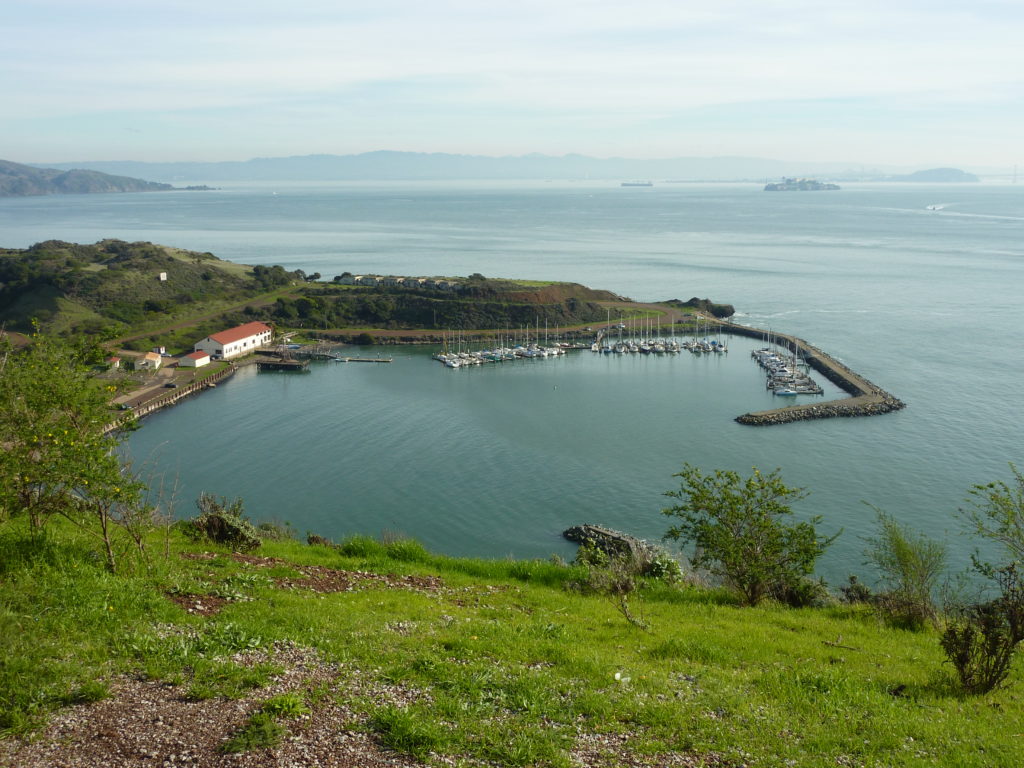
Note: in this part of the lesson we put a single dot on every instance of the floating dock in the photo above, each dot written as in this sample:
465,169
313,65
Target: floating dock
282,365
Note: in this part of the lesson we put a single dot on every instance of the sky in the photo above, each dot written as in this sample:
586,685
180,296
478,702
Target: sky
902,82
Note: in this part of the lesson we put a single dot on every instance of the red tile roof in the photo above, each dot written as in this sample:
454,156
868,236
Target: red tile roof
197,355
241,332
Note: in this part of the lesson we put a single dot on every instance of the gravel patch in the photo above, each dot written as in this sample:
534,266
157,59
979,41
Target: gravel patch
150,724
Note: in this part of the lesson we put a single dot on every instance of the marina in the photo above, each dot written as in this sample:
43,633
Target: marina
618,425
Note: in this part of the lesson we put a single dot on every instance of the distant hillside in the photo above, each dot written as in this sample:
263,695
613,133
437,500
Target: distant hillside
387,165
933,175
113,285
18,180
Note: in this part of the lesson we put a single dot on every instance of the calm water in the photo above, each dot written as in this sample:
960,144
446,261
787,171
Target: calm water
497,460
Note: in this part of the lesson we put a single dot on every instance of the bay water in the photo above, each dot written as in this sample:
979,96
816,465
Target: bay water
915,287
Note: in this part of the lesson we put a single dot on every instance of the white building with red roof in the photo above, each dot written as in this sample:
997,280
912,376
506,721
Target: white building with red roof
235,342
194,360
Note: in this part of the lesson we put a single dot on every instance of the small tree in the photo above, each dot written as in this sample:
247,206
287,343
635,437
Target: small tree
996,512
58,448
736,527
910,565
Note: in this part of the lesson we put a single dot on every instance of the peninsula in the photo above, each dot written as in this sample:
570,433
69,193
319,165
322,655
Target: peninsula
141,297
17,180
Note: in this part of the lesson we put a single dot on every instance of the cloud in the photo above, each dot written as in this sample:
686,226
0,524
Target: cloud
565,59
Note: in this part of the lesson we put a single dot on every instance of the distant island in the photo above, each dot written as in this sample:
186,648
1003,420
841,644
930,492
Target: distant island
935,175
17,180
799,185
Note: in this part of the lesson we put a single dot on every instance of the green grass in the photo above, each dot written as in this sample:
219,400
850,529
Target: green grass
501,664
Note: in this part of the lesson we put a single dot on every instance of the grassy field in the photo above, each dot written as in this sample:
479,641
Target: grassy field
476,662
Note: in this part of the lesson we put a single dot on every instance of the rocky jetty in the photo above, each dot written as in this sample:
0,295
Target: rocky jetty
866,399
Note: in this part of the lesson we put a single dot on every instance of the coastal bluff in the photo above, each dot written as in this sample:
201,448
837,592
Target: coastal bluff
866,398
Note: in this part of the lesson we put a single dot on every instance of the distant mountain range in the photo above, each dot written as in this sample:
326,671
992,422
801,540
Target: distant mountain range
933,175
414,166
18,180
394,166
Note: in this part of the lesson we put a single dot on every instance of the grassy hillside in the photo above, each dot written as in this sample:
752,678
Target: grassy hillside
112,285
114,289
304,654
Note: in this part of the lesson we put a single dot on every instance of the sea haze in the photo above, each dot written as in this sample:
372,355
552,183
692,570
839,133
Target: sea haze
914,286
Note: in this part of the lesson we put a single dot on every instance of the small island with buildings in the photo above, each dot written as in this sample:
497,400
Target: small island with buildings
799,185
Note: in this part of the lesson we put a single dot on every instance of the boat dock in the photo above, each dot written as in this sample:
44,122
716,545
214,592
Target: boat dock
362,359
268,364
866,399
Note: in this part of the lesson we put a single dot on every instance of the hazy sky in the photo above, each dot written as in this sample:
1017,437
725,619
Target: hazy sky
873,81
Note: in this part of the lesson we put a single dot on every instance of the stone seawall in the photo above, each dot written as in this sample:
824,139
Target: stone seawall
866,399
174,395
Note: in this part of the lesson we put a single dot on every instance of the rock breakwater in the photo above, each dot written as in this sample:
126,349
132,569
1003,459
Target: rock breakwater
866,399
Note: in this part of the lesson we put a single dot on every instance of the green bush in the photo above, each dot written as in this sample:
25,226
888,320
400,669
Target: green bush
981,642
222,522
910,565
736,525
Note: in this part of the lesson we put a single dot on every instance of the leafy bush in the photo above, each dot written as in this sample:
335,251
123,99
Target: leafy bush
982,641
997,513
736,526
222,522
910,565
803,593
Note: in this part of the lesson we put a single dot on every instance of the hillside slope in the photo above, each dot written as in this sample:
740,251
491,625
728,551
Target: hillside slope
18,180
371,654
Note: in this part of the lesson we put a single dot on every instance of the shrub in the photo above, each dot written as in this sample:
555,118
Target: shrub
803,593
855,592
222,522
997,513
735,524
982,641
910,565
615,576
275,531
